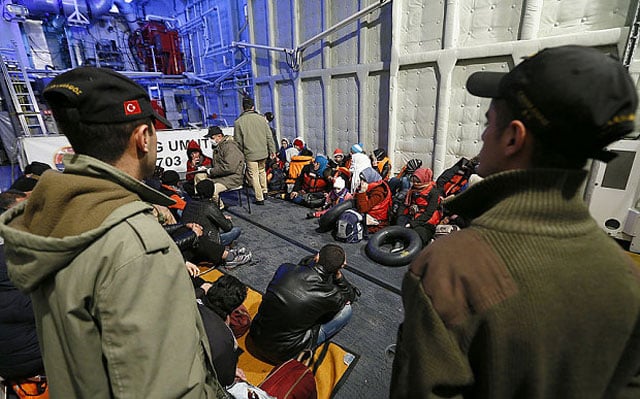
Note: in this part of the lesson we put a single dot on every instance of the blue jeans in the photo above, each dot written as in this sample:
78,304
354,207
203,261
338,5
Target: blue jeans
231,235
333,326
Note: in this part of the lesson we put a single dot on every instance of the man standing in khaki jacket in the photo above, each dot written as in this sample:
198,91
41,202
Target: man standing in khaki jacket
253,134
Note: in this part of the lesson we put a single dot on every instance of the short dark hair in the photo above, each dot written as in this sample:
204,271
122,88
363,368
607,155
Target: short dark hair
545,154
226,294
332,257
106,142
205,188
9,198
247,103
269,116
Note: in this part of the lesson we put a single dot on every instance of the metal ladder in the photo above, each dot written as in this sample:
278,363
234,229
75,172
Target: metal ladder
23,104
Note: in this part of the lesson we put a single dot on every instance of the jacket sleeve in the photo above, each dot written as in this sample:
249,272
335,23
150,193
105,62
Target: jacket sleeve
228,163
271,147
366,201
433,199
238,135
215,215
429,363
153,344
349,291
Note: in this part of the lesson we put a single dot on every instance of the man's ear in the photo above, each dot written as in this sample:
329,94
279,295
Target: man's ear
141,138
514,138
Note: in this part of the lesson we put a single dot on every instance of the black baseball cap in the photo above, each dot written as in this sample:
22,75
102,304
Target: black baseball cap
101,95
213,130
575,97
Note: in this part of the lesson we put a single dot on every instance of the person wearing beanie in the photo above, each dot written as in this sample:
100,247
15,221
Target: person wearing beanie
85,244
533,299
304,305
338,194
381,162
253,135
402,181
296,149
357,149
339,158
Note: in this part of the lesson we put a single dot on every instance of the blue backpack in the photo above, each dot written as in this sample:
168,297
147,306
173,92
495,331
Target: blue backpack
349,227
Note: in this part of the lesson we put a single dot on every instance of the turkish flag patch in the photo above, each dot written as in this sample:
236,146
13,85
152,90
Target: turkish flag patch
132,107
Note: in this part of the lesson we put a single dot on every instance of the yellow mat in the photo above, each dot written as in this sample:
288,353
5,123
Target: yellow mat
332,373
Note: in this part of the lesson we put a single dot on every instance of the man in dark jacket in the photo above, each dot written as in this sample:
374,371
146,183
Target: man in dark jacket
222,297
305,305
19,351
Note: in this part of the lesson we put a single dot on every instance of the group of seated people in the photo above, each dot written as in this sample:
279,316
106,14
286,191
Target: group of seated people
313,287
412,198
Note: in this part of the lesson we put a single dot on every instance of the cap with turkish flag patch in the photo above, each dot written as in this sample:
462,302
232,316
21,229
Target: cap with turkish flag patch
101,95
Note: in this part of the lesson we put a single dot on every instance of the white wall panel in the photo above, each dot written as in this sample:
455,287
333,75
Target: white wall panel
415,129
260,28
344,108
283,23
343,44
421,26
488,21
563,17
286,109
311,23
314,125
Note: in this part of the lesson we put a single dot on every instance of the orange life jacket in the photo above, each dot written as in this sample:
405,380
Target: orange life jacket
295,167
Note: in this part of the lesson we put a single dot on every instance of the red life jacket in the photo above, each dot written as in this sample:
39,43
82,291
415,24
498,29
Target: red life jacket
455,184
381,210
312,183
421,200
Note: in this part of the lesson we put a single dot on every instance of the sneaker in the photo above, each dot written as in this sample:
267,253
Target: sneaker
397,247
311,215
238,260
238,251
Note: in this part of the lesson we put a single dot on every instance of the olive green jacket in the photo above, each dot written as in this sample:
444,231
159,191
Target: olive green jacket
533,300
114,306
253,134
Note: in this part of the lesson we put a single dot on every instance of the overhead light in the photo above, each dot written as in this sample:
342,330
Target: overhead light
128,1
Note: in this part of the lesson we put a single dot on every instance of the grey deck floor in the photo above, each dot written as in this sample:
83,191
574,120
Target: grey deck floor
278,232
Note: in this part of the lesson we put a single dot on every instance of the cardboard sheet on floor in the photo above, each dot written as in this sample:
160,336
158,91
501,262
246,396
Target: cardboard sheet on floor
332,373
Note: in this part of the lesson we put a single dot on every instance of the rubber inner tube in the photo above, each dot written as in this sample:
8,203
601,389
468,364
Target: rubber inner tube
380,247
328,220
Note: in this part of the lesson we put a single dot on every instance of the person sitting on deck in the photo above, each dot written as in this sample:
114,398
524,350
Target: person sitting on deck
197,163
311,181
304,305
337,195
373,198
295,166
421,208
380,161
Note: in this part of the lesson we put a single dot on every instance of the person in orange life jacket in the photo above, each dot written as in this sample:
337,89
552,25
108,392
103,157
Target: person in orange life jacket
373,198
310,180
380,161
421,205
295,166
338,194
169,187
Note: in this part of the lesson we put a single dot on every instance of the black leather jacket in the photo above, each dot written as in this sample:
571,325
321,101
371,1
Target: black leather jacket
298,300
207,215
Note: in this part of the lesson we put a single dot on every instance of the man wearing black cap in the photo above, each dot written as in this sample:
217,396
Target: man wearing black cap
88,249
227,166
533,300
253,134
